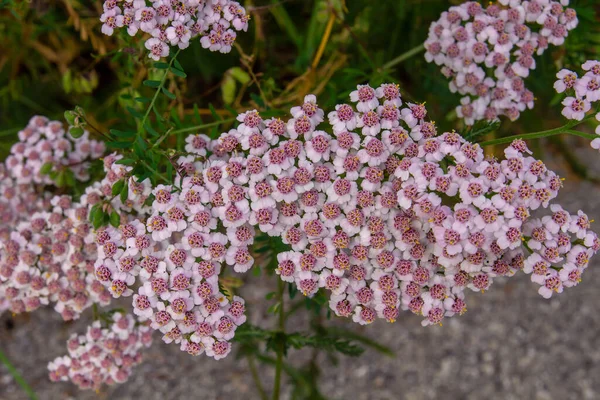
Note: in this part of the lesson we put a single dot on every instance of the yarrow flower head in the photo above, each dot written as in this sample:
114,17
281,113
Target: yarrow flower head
488,52
104,354
173,257
386,213
372,203
580,93
176,23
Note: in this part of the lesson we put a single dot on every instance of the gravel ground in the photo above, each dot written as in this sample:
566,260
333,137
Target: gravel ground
511,344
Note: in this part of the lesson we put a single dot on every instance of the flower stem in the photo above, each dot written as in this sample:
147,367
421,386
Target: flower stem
158,90
404,56
9,132
155,172
324,41
203,126
281,349
17,376
536,135
256,378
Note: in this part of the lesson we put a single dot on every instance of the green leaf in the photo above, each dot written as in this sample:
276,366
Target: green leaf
214,112
119,145
161,65
126,161
150,129
168,94
159,117
60,179
151,83
70,178
178,72
124,194
177,64
115,219
350,335
97,218
240,75
270,295
122,134
134,112
142,99
170,171
117,187
479,129
274,308
46,168
228,89
140,147
70,117
76,132
293,289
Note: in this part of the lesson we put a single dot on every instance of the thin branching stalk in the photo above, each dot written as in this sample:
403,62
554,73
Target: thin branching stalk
17,376
324,41
202,126
256,378
281,348
537,135
158,90
404,56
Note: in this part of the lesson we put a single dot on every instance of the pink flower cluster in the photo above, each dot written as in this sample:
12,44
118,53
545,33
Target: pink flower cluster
385,213
176,256
175,23
104,355
488,52
50,258
582,93
22,182
47,247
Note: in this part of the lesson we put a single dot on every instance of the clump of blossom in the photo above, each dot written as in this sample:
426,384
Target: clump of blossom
47,142
18,201
173,257
580,93
44,148
488,52
104,354
50,256
42,143
386,213
47,247
175,23
50,259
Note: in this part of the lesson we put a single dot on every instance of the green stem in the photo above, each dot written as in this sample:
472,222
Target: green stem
9,132
155,172
280,350
550,132
195,128
404,56
17,376
163,137
256,378
104,134
158,90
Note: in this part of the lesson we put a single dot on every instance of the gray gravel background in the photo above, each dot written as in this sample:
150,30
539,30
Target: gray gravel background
511,344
